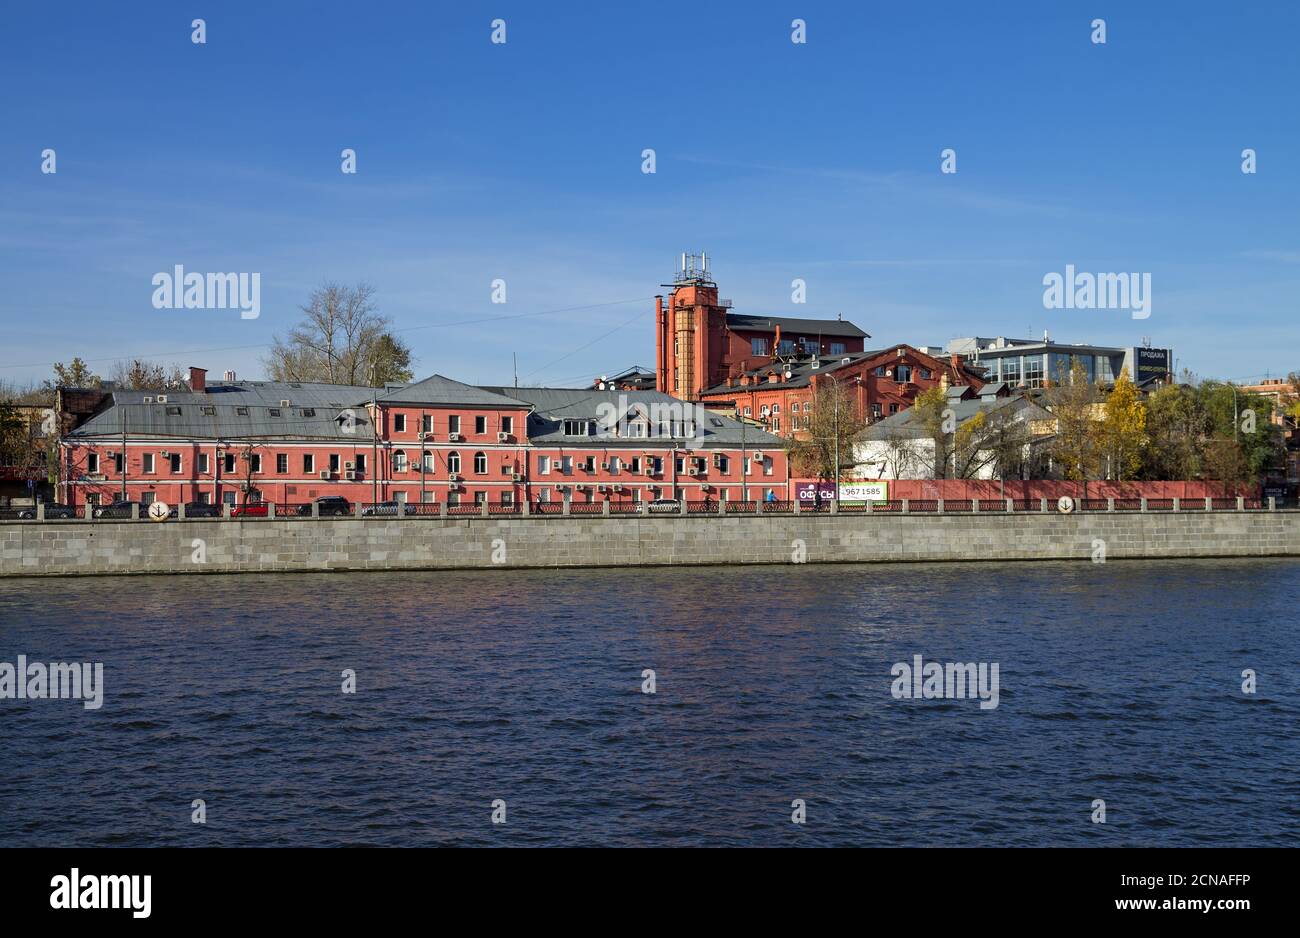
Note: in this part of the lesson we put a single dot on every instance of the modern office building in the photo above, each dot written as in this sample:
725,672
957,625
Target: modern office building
1030,362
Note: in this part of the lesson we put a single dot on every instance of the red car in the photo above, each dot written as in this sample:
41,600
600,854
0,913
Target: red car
250,510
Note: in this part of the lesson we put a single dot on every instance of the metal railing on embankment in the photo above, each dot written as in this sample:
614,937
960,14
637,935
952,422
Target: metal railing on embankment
309,511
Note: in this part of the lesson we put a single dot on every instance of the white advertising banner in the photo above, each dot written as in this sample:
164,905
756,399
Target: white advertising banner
864,491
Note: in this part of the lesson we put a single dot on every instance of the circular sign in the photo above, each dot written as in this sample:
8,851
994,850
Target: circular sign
158,511
1065,504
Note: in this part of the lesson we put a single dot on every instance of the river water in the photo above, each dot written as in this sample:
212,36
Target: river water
1120,682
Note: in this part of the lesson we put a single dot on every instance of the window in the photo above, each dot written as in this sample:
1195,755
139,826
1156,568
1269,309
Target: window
880,371
281,463
361,462
148,462
480,463
893,408
399,423
795,407
566,465
173,411
838,348
228,498
543,465
453,461
399,461
507,424
679,465
903,373
203,463
429,464
577,427
147,498
749,465
175,459
875,411
255,462
786,347
308,463
334,462
480,498
480,424
758,347
810,346
767,465
507,498
615,465
453,423
241,411
748,411
118,463
426,423
1011,370
1034,371
776,408
275,411
927,374
92,462
309,411
208,411
205,498
776,424
228,463
635,465
724,464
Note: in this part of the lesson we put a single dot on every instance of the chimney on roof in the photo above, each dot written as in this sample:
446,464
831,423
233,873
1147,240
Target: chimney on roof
198,379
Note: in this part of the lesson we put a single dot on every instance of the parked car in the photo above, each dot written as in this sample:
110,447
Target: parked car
335,505
52,510
121,510
249,510
662,505
388,508
202,510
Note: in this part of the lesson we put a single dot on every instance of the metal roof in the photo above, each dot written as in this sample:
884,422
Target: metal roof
907,424
437,389
792,327
238,410
552,406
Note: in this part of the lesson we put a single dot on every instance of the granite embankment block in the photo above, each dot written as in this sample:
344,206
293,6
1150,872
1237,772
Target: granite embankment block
62,548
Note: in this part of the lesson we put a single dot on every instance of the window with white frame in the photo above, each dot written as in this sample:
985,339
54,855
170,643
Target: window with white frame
399,461
399,423
148,462
543,465
92,462
453,461
480,463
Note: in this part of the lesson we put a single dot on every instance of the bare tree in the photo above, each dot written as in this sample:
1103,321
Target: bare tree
342,339
143,375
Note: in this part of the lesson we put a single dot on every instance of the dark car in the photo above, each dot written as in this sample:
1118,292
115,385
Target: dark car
202,510
335,505
389,508
249,510
52,510
121,510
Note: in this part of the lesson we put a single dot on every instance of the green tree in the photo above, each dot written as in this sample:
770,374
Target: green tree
1175,426
391,361
75,375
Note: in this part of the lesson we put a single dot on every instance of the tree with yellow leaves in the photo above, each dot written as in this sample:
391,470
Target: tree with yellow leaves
1123,429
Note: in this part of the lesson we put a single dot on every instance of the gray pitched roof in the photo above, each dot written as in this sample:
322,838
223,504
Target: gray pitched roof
792,327
436,389
236,410
552,406
906,423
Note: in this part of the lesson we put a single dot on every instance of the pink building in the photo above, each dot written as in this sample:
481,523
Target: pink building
435,440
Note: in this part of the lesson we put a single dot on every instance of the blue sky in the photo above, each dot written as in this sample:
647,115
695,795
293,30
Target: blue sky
523,162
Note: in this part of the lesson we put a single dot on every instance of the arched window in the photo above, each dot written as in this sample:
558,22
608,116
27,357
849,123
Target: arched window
480,463
453,461
795,407
428,461
399,461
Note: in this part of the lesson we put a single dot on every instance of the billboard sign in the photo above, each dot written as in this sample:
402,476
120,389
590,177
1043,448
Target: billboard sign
1151,363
